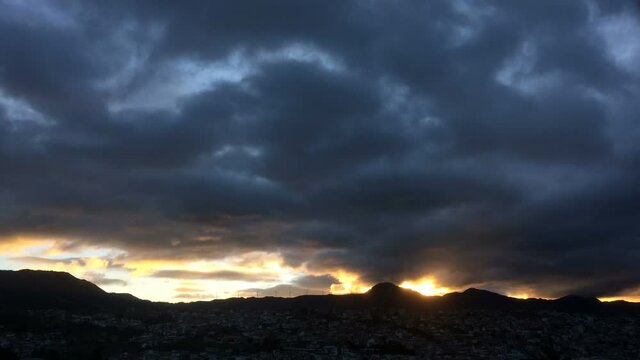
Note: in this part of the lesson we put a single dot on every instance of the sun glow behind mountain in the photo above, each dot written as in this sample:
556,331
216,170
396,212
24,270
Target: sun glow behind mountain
426,286
247,274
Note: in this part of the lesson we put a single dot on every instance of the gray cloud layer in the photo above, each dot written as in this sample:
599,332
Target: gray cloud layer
216,275
490,142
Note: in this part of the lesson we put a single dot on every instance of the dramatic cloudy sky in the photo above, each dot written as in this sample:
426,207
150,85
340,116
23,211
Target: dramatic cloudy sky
185,150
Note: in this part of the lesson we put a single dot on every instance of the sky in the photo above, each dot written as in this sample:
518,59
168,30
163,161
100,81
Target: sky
193,150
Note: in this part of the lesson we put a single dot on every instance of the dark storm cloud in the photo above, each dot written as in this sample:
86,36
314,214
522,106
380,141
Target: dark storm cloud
101,279
487,142
45,261
315,281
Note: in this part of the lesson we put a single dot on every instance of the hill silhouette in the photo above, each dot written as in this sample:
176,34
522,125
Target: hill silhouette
388,294
388,291
479,299
26,289
51,289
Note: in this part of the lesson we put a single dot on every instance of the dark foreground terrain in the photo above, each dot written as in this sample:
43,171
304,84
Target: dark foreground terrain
51,315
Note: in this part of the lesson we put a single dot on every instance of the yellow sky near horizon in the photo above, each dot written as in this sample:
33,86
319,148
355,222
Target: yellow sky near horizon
184,280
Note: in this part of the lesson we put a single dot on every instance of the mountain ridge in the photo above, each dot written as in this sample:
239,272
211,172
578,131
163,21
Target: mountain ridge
41,289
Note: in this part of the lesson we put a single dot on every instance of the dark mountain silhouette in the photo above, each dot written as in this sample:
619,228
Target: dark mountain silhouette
578,303
387,290
26,289
478,299
388,294
52,289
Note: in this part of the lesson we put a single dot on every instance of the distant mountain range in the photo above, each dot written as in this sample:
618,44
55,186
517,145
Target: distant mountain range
30,289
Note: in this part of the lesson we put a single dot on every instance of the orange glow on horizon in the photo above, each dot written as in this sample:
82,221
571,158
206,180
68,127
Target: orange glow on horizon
426,286
523,296
349,284
632,298
19,245
134,274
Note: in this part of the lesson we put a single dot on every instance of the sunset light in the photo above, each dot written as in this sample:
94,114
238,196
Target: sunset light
319,179
519,295
349,283
426,286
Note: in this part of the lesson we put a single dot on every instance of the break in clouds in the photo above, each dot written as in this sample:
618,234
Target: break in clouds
482,142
